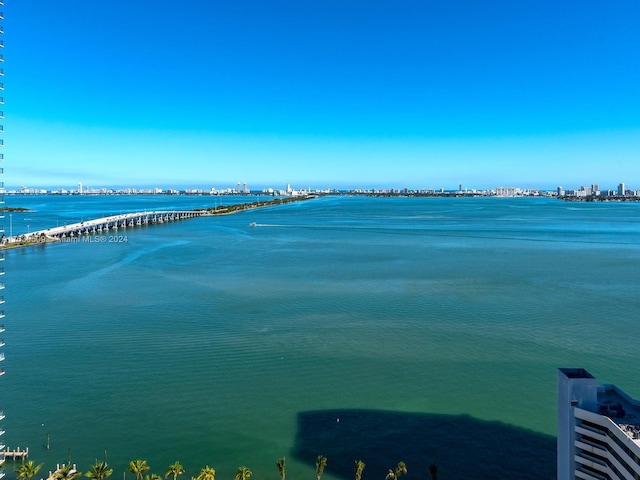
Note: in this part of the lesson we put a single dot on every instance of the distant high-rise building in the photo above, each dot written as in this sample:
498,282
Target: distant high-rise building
238,190
598,429
560,192
246,190
460,187
595,187
621,189
507,191
79,187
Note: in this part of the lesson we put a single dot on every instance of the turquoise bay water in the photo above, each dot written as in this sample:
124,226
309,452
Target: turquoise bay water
332,324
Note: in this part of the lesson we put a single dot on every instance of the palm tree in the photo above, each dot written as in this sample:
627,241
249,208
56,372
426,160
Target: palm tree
359,468
243,473
207,473
174,471
138,468
321,462
99,471
66,472
153,476
400,470
433,471
282,468
28,470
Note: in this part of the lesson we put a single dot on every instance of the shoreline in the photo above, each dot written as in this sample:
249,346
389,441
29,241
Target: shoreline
241,207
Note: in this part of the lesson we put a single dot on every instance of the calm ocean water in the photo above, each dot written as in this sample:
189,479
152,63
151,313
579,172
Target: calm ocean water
422,330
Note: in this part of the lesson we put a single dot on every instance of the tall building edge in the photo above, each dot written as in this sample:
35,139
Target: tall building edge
2,231
598,429
576,387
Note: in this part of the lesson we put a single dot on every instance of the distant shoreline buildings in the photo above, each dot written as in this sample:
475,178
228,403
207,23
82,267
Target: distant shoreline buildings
584,193
594,192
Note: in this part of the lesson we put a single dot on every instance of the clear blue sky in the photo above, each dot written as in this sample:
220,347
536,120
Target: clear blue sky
402,93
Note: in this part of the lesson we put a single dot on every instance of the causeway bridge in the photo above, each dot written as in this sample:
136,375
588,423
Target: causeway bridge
106,224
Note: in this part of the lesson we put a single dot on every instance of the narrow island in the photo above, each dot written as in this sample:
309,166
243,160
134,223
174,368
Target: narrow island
241,207
600,198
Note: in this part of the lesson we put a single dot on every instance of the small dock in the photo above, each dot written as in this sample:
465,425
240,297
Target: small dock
17,453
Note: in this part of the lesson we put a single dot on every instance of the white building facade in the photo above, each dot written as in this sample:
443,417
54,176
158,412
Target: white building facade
598,429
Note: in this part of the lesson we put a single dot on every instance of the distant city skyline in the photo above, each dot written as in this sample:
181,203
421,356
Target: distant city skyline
284,189
329,95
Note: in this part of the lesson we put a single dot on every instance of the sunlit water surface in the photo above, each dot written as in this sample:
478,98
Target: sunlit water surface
210,341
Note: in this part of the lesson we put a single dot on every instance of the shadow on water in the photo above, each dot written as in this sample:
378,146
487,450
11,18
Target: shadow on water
463,447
